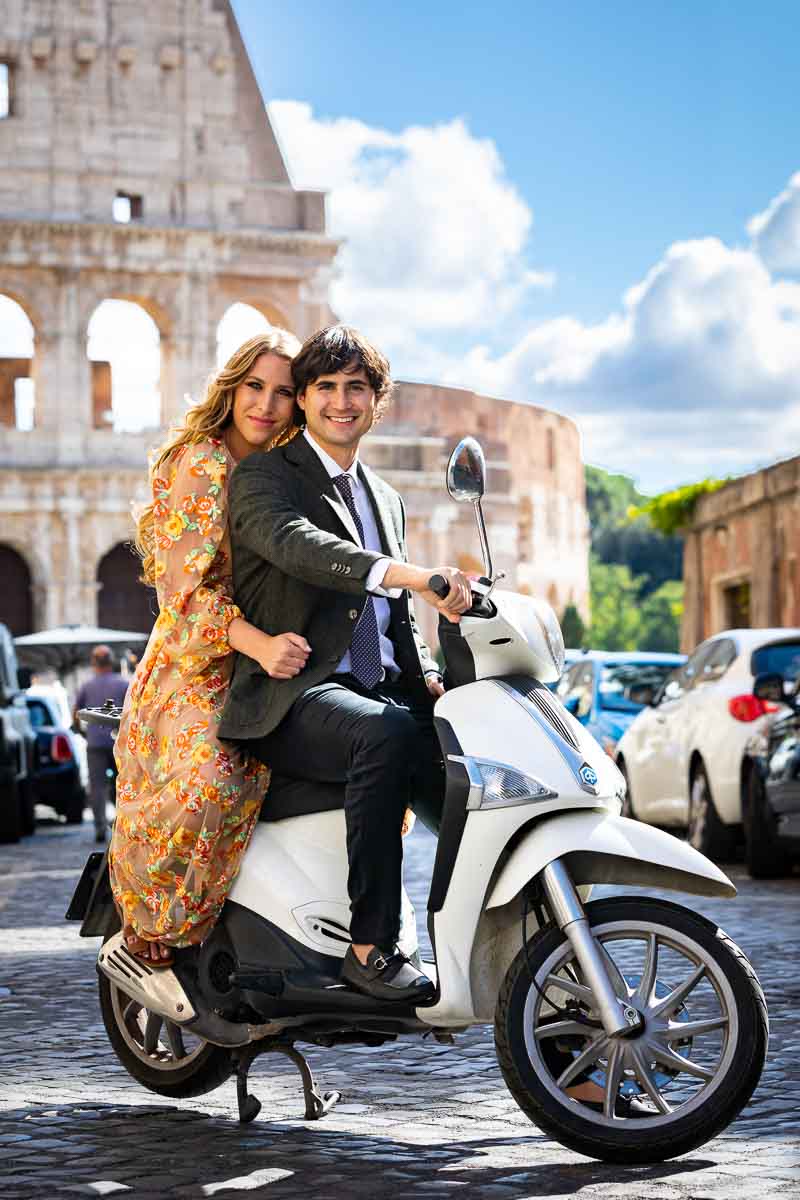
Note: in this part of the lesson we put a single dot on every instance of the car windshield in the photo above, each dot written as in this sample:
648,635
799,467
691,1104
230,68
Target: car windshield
617,681
783,658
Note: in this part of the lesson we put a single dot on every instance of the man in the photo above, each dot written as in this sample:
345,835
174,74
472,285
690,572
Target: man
105,684
319,544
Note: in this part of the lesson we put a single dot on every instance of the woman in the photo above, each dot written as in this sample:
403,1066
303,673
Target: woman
186,805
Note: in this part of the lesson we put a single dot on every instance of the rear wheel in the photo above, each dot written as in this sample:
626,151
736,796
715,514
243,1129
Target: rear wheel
27,808
706,832
159,1054
690,1070
763,853
74,806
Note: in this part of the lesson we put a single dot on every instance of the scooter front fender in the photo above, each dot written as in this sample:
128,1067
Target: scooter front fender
602,848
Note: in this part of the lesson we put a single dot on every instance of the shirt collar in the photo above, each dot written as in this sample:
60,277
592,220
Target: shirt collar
330,464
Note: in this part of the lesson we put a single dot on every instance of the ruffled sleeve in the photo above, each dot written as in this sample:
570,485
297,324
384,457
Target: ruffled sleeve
190,497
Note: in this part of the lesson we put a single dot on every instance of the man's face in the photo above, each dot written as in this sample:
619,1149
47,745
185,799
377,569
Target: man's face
339,408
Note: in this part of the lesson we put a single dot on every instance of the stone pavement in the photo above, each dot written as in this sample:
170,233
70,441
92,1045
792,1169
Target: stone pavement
417,1120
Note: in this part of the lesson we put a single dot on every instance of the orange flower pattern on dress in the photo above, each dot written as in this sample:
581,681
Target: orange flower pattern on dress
186,805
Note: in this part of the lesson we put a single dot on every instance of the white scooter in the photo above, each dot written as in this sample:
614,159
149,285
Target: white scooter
649,1001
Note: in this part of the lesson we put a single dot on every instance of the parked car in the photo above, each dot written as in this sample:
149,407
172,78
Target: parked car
605,689
17,748
771,784
683,756
57,777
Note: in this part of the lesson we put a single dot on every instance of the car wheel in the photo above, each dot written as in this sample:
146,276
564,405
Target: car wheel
627,800
10,823
27,809
763,853
73,809
706,832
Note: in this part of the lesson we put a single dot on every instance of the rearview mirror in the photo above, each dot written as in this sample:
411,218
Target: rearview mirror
466,472
768,686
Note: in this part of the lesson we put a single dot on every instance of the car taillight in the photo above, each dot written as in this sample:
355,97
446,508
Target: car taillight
749,707
60,749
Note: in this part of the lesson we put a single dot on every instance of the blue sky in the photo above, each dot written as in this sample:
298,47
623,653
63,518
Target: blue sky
602,144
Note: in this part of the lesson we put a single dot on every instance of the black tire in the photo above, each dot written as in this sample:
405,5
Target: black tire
763,854
10,814
209,1065
650,1138
627,801
27,809
706,832
76,803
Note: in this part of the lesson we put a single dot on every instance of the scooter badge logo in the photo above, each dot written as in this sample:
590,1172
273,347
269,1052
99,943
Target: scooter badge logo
588,776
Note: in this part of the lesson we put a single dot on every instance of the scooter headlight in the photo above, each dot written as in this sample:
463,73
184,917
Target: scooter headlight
496,785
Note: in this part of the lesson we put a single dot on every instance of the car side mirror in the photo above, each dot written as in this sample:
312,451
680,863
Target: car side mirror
769,686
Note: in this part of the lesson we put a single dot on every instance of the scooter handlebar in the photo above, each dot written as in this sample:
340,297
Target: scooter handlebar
439,586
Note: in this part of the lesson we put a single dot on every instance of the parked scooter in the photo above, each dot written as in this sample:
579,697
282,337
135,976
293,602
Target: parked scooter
649,1000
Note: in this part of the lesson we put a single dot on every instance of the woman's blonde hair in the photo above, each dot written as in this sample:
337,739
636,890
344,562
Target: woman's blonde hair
209,418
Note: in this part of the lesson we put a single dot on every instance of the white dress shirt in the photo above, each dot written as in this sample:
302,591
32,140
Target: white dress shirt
372,541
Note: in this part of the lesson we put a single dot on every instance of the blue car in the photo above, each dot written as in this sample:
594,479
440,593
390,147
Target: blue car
605,689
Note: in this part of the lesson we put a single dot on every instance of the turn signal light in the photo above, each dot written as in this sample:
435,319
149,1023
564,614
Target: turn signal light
60,749
749,707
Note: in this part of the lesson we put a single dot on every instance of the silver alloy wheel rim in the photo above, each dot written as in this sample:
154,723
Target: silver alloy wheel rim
631,1058
156,1042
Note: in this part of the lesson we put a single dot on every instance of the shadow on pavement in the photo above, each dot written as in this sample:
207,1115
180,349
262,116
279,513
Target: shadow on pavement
170,1152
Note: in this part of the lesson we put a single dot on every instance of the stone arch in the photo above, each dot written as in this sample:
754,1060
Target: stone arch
123,601
126,371
16,595
239,322
17,357
248,292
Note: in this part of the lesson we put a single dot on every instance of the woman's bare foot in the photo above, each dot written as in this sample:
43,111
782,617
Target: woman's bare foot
149,951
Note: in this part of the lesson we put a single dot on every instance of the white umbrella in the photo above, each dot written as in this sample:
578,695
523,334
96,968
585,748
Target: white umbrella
68,646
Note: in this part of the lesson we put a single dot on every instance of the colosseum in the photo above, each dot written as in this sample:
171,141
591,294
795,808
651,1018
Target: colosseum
144,201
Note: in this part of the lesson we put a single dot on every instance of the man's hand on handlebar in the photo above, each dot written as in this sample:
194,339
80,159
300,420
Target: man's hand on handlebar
458,597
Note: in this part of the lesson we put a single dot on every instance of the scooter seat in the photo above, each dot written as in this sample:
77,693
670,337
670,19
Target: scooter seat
287,797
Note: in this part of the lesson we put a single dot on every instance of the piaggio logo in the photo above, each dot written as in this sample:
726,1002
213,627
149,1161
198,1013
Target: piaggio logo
588,775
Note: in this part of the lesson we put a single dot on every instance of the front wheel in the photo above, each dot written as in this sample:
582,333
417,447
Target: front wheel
668,1088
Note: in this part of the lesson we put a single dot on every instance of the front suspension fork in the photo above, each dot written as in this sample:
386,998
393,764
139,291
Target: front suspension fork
617,1017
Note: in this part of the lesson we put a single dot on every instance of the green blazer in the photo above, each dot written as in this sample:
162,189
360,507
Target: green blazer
298,567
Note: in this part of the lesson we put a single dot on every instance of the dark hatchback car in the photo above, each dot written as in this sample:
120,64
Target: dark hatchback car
771,779
56,779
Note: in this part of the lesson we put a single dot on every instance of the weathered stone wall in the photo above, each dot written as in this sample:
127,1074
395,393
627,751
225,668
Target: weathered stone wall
747,533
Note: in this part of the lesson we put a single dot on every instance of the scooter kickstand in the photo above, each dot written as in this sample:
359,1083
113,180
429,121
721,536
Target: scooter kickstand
249,1106
317,1104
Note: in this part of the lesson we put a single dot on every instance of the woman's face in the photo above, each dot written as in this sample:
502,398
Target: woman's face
262,405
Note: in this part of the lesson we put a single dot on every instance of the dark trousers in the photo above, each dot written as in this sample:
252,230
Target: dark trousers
100,760
382,746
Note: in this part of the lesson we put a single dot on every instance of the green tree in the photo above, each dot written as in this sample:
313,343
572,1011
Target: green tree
671,512
572,627
616,609
661,618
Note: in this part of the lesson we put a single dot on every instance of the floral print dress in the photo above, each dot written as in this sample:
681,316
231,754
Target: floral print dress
186,804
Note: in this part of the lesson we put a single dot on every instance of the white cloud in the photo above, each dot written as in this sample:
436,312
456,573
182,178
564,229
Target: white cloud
696,373
435,233
776,230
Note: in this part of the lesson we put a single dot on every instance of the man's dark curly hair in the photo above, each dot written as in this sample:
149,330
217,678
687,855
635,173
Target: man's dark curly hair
340,348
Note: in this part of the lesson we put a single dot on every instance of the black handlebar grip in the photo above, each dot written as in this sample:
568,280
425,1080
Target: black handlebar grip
439,586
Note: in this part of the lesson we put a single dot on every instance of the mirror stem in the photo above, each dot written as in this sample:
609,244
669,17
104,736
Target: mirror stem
487,557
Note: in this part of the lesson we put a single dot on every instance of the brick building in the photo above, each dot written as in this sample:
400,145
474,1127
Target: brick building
740,564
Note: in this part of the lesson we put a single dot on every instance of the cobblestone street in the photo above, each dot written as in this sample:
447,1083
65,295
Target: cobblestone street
416,1119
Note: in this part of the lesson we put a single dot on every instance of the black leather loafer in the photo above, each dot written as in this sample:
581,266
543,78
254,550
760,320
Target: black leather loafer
387,976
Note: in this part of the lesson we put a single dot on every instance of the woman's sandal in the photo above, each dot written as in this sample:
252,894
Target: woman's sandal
140,949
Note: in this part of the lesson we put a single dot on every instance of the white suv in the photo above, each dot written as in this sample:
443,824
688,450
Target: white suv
682,757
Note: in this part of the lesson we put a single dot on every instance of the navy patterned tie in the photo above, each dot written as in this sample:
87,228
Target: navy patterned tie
365,648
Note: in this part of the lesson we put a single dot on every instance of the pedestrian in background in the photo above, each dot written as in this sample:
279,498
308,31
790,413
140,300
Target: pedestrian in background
104,685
